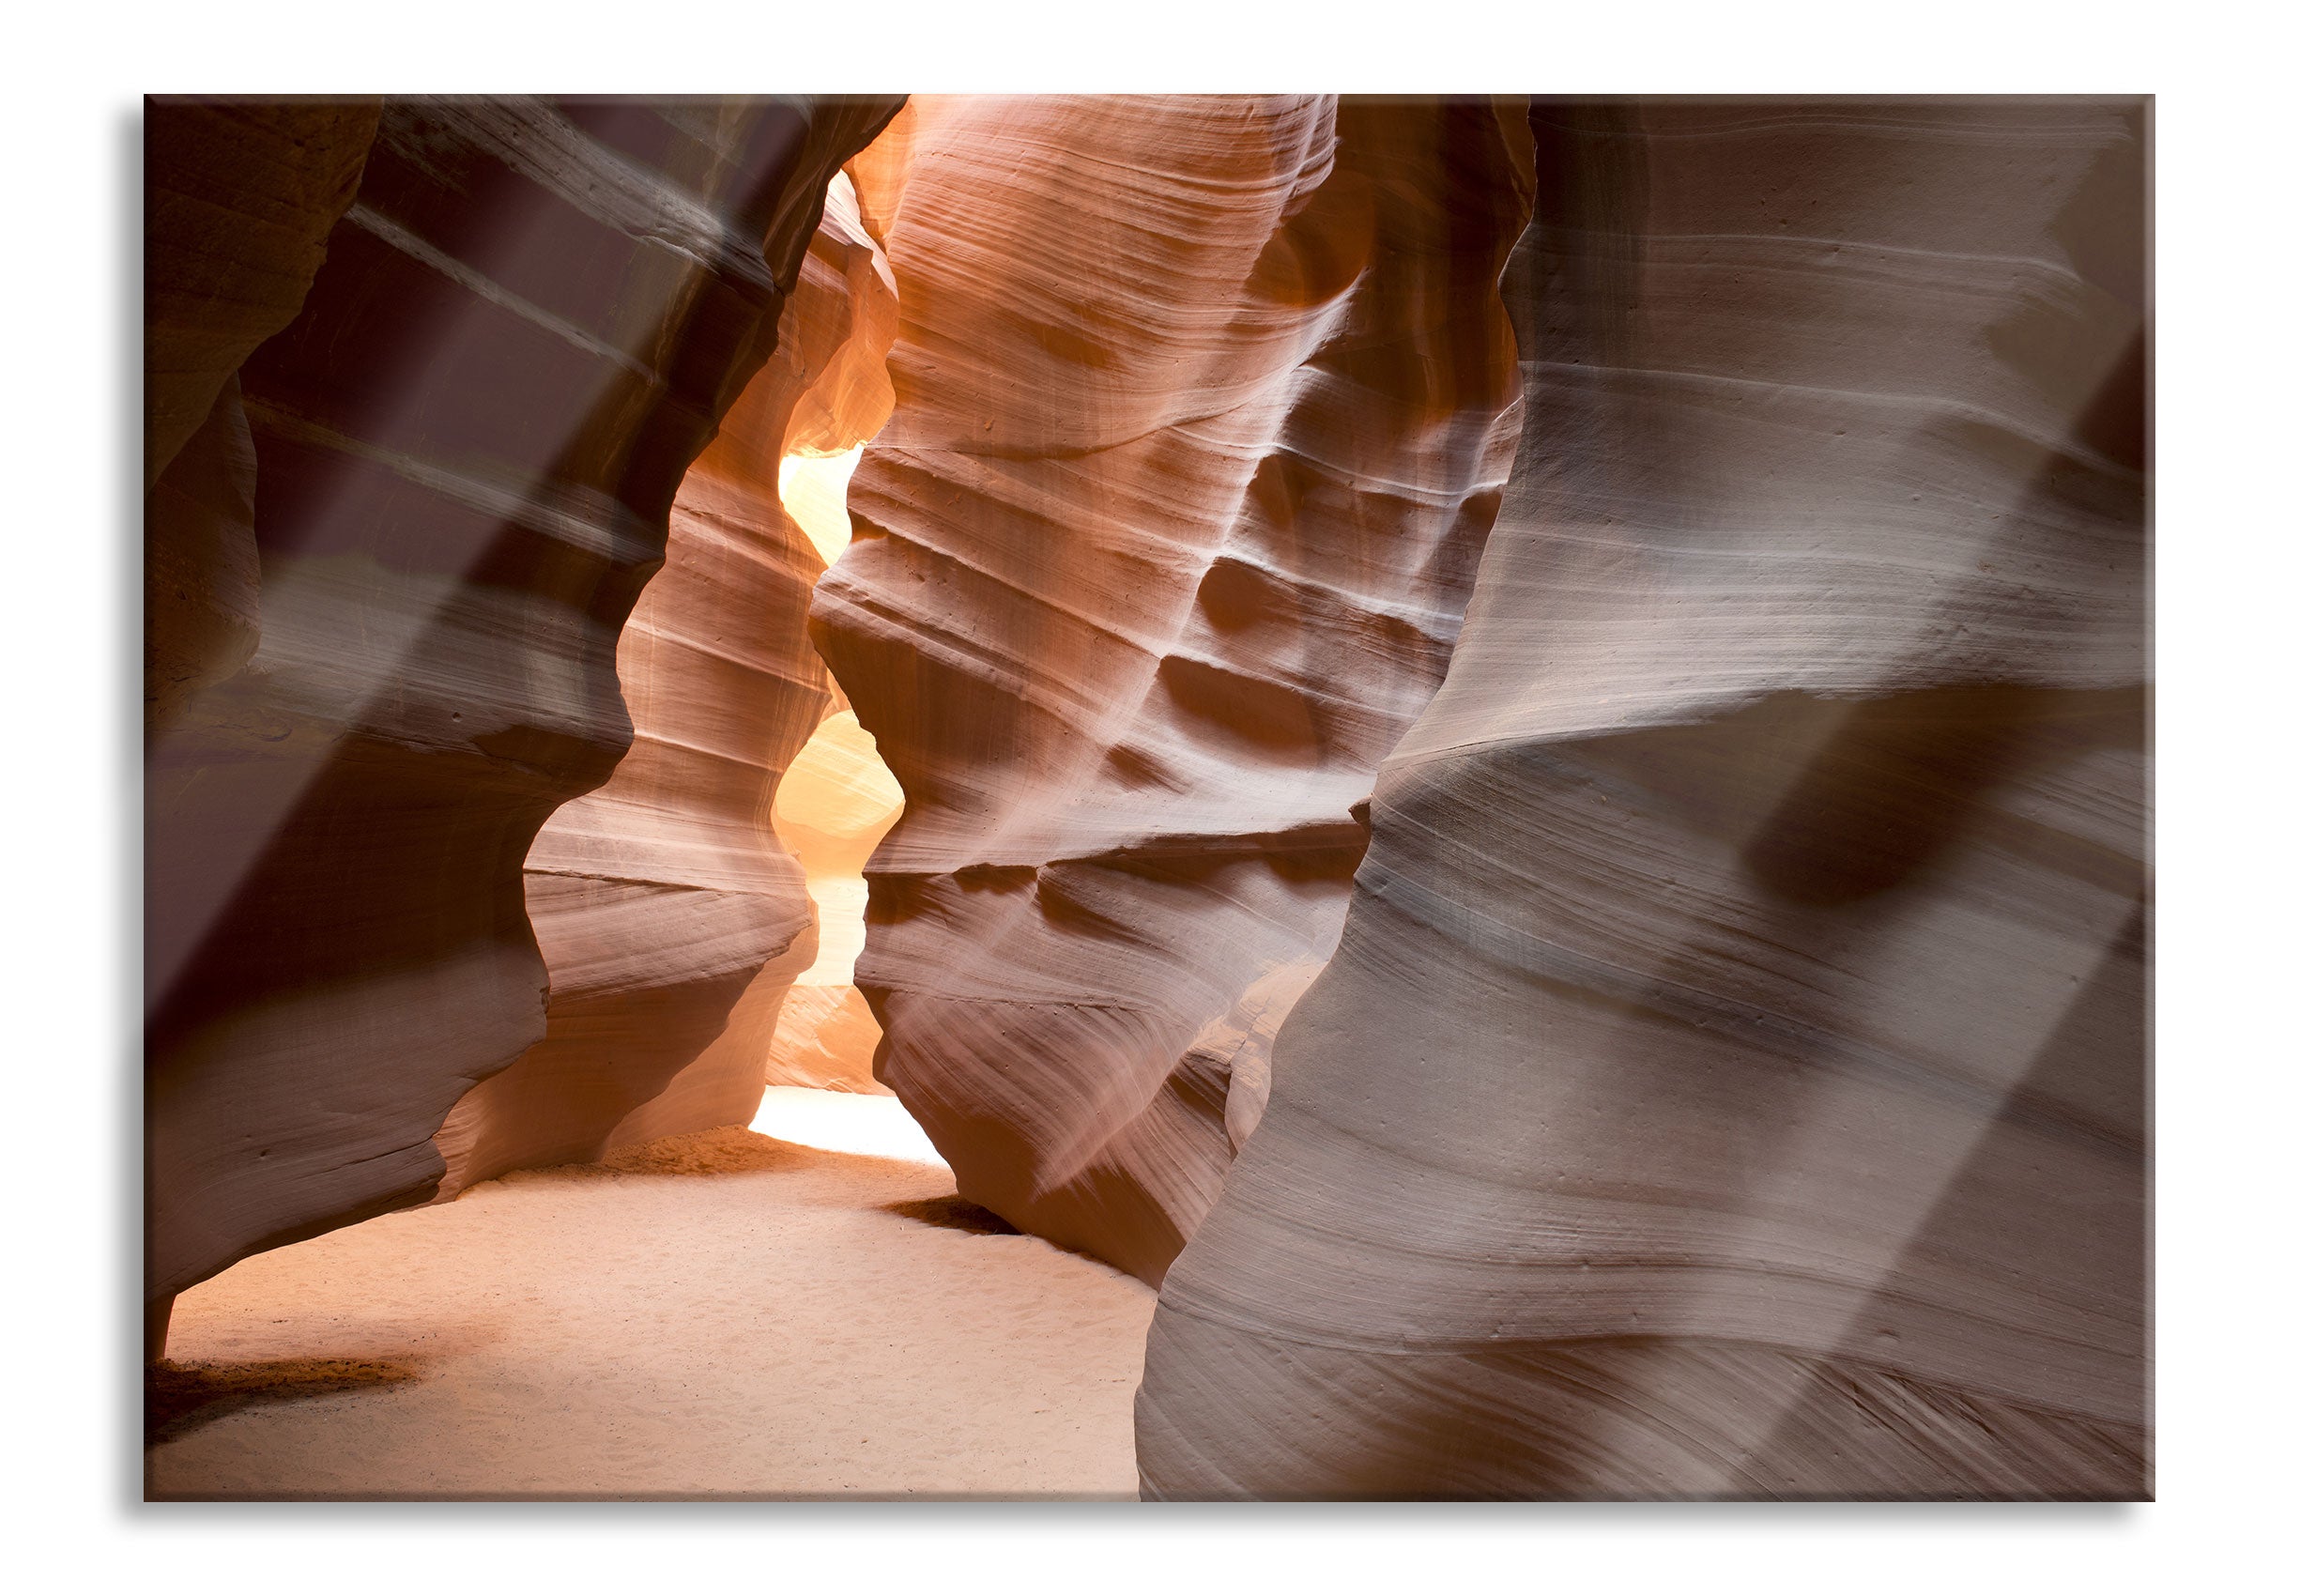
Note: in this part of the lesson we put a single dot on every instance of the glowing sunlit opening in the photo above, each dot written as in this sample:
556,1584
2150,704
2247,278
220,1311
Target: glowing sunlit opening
844,1122
833,805
814,490
835,802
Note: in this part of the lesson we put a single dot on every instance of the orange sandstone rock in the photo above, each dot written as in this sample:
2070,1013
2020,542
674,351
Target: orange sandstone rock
1202,407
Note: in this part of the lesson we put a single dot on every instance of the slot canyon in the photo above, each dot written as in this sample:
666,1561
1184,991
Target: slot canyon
1268,797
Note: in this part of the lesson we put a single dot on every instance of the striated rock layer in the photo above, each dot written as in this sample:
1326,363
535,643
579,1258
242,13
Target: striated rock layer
239,199
1730,1080
466,444
1203,408
663,901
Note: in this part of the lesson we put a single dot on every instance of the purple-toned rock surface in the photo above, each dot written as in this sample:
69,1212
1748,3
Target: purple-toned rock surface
529,320
1731,1078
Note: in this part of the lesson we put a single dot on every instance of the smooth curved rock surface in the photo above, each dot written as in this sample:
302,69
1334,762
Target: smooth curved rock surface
1731,1079
240,196
1202,407
660,899
530,321
239,199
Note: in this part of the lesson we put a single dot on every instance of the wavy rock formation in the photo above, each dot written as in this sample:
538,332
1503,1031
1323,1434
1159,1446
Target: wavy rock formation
1203,410
529,321
238,200
240,197
1730,1079
660,899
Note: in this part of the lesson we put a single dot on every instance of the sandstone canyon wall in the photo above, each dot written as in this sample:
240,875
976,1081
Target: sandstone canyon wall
1731,1077
239,199
670,921
460,458
1202,411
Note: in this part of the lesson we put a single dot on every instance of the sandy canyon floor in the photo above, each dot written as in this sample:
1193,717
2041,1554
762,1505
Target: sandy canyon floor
725,1315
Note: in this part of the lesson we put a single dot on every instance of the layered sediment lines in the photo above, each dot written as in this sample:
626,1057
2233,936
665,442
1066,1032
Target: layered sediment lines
239,199
1730,1078
670,919
530,319
1202,409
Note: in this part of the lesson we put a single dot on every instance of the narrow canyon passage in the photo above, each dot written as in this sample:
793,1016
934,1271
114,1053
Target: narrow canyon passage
717,1314
596,1328
1504,823
836,800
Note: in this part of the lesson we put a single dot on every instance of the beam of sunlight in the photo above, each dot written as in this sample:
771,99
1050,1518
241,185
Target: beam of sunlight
307,597
844,1122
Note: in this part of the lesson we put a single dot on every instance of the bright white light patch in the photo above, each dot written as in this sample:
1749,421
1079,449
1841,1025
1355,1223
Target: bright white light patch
814,490
844,1122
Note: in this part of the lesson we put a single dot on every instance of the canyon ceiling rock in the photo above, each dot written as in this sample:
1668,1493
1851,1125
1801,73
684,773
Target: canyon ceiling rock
1202,411
529,320
1731,1077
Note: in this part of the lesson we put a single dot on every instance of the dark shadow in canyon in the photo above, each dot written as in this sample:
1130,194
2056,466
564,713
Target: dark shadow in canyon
731,1149
953,1212
180,1398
